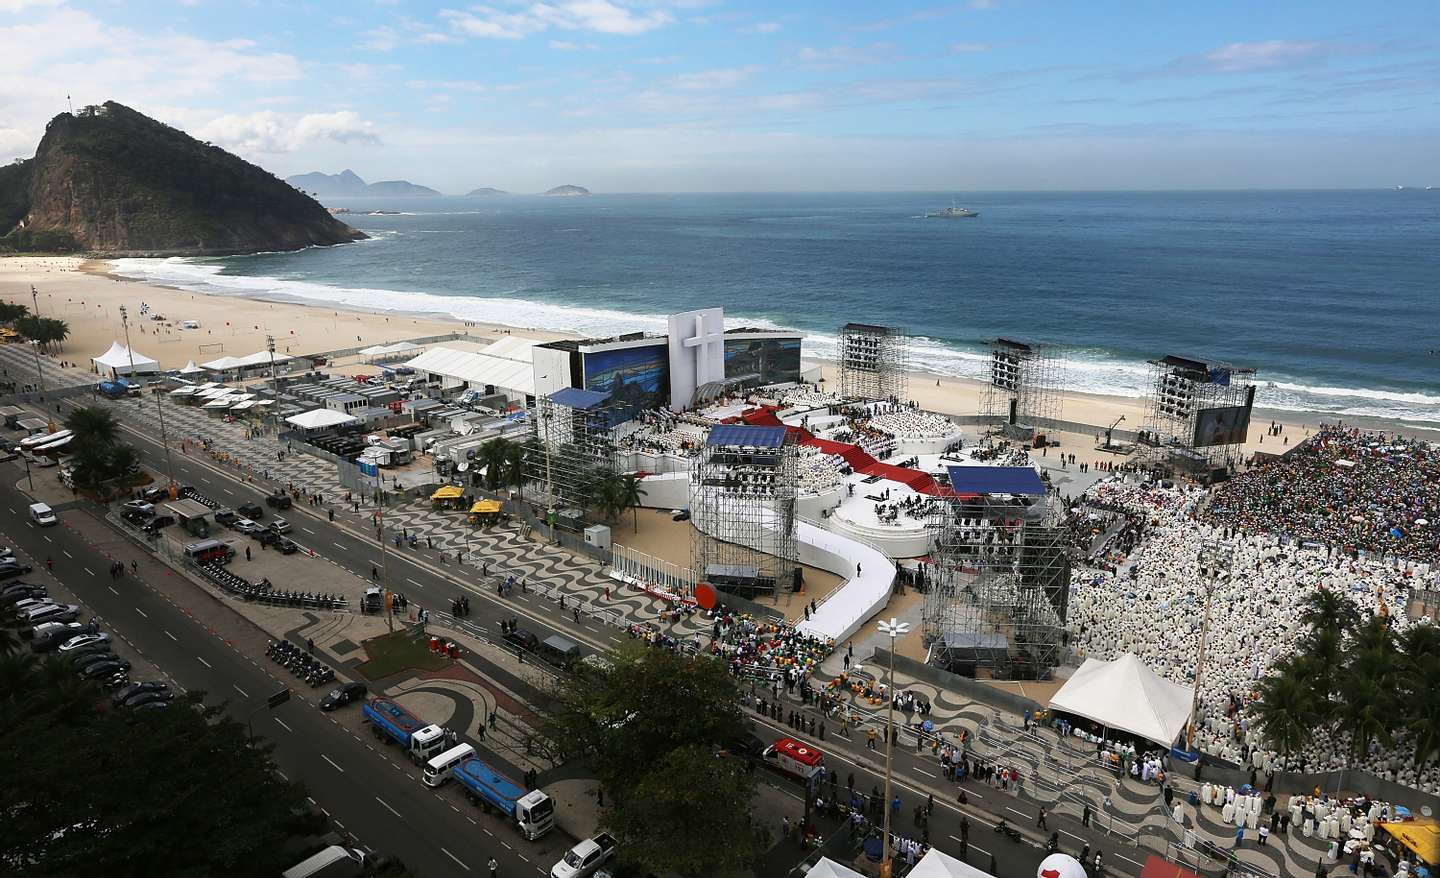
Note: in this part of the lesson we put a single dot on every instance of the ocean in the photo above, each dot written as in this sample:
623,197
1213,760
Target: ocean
1333,297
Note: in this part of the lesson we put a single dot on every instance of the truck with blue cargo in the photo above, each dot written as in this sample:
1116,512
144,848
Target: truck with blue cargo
117,389
391,722
531,812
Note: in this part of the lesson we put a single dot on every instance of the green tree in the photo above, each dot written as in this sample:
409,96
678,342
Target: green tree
93,425
1326,608
1286,709
493,457
168,792
629,494
515,455
651,702
101,459
12,311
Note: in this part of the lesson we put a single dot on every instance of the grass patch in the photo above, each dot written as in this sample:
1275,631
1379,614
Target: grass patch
400,651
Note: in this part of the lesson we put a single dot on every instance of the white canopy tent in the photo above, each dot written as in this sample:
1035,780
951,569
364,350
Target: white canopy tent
223,364
936,864
320,419
1126,695
190,368
508,365
120,360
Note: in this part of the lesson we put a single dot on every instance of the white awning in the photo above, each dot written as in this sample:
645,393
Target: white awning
1126,695
511,368
223,364
319,418
190,368
120,360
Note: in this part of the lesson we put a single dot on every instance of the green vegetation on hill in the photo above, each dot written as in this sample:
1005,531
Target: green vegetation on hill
111,180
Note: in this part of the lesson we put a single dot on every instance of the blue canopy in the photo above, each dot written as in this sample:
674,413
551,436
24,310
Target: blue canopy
575,398
995,480
741,434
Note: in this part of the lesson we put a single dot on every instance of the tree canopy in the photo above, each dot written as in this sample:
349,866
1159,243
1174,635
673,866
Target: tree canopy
101,459
648,726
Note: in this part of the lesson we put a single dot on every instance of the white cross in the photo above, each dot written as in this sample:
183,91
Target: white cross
702,341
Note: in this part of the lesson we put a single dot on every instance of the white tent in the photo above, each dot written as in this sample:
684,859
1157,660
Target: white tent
508,365
118,361
936,864
828,868
190,368
319,419
1126,695
223,364
263,358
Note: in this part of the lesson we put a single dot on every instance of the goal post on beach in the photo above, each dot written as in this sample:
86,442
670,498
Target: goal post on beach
214,347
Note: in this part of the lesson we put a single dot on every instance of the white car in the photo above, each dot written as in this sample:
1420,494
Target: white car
82,641
246,526
585,858
280,526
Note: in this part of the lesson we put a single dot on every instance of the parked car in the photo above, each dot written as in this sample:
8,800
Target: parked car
134,689
283,545
100,653
49,635
251,510
155,494
6,552
84,640
585,858
10,568
143,698
279,500
8,452
52,613
107,668
523,639
152,705
280,526
23,592
247,526
342,695
225,515
158,522
138,507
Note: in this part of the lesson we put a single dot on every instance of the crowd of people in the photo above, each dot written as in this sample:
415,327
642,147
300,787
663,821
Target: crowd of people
1346,488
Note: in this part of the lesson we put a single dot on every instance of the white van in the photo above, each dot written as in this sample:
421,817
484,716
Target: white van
43,515
437,770
190,324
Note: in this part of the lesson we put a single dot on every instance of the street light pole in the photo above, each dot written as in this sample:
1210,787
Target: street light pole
159,411
35,343
894,628
1210,560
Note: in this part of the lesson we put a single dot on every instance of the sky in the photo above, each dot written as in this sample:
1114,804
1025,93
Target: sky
731,95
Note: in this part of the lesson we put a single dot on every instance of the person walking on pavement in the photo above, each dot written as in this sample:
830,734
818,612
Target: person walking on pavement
494,866
1085,815
1040,821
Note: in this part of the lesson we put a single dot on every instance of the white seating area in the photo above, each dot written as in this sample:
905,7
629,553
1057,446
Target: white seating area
1153,605
904,422
801,396
817,471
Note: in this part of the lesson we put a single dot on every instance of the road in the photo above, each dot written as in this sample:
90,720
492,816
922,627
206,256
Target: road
358,783
414,571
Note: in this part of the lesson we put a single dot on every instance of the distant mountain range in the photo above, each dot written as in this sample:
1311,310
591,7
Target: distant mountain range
485,190
348,183
568,191
108,180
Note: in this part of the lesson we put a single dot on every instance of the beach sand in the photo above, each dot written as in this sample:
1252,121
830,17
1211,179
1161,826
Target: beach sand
81,293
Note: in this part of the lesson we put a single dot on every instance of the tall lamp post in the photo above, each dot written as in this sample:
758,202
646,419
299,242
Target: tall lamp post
159,410
894,629
1214,562
35,343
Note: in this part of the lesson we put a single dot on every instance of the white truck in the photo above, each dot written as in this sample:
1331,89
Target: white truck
336,861
585,858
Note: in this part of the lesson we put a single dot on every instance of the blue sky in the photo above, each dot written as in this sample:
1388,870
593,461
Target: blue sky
720,95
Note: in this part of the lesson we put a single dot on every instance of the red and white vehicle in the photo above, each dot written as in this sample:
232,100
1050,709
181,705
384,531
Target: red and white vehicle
795,758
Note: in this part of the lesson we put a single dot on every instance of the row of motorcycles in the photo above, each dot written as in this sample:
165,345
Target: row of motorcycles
265,592
302,664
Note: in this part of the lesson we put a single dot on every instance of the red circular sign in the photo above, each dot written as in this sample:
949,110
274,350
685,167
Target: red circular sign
705,596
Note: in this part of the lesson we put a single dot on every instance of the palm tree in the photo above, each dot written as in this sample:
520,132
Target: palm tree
1329,609
494,456
629,493
1286,709
12,311
515,466
93,425
56,331
16,672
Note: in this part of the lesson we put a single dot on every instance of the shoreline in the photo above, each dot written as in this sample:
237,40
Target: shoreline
308,329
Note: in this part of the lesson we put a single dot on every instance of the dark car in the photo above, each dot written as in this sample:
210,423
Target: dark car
152,705
79,658
523,639
225,515
279,500
82,662
134,689
155,494
50,635
143,698
104,669
342,695
252,511
11,568
158,522
286,546
742,747
13,596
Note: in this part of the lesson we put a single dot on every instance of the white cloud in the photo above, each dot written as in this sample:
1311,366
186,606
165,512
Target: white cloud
969,48
597,16
762,27
709,80
21,5
847,55
270,132
1267,55
568,46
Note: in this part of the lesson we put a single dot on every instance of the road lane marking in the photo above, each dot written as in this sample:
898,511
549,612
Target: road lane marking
243,693
307,530
388,808
338,546
413,582
205,663
88,570
142,612
282,724
113,591
332,762
66,553
455,858
172,637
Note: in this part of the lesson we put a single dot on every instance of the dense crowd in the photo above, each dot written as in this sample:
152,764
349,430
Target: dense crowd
1344,488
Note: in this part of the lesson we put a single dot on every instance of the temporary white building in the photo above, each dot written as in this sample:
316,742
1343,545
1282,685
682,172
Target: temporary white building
118,361
320,419
259,358
1124,694
223,364
508,366
190,368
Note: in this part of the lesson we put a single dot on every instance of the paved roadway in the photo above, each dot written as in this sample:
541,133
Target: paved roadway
413,572
384,805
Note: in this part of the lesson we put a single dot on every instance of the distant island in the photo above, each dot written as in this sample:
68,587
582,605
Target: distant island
111,181
568,191
485,190
347,183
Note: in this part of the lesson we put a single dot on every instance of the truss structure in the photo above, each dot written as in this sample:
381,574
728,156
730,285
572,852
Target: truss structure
1185,399
1026,385
873,362
1002,584
742,502
573,448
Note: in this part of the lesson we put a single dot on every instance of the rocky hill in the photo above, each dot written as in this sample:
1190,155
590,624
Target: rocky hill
112,181
483,191
568,191
347,183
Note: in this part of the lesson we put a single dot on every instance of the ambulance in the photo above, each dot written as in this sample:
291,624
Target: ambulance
794,758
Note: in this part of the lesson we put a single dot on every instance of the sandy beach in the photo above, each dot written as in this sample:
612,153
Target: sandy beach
81,293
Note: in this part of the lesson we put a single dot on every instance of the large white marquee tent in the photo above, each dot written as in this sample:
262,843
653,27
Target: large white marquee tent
1125,694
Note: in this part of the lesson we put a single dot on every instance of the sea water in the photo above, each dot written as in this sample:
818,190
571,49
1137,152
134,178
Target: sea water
1333,297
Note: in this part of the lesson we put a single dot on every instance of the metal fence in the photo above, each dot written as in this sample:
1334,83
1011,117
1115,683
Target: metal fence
647,568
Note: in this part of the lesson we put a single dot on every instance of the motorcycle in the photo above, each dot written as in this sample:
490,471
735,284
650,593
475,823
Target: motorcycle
1007,830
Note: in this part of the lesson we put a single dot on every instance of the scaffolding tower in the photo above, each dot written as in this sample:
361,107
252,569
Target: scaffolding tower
742,502
1197,413
1026,385
573,448
1000,589
873,362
